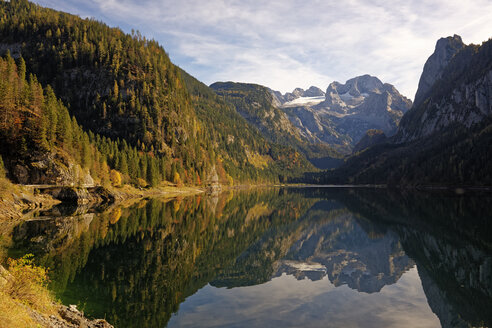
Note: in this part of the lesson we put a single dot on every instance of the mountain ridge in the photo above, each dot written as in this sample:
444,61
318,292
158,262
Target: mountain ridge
349,110
444,140
256,104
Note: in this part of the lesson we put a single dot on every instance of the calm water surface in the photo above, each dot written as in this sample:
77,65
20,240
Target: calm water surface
312,257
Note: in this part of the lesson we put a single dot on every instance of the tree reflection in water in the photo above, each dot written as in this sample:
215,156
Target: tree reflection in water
135,265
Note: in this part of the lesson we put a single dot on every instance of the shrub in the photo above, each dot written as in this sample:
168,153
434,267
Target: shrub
27,283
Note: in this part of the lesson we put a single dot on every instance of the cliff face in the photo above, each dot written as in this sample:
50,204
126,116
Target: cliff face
455,89
445,49
47,168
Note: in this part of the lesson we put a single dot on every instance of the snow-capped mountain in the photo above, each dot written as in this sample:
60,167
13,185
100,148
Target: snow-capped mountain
280,99
343,114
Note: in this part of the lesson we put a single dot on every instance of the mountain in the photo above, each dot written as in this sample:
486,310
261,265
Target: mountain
445,49
460,97
257,105
445,138
348,111
125,90
323,126
239,142
118,86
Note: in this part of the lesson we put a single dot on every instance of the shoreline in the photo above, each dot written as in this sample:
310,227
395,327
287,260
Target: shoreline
20,200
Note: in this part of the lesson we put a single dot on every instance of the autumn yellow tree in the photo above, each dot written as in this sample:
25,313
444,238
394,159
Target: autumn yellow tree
115,178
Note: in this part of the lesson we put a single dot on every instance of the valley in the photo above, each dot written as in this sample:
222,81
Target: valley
133,191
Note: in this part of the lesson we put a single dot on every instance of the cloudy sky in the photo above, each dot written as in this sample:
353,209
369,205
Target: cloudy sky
287,44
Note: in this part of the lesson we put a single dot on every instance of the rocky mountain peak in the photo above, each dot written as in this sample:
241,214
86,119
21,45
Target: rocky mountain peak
298,92
363,84
459,95
343,97
445,49
313,92
357,86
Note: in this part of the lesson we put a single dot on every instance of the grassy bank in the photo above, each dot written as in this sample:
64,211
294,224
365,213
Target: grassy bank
25,300
24,294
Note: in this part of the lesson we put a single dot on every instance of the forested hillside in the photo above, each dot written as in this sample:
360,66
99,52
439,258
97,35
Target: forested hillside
255,103
40,143
124,87
243,149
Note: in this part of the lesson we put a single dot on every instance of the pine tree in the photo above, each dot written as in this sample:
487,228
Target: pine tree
2,168
123,163
152,173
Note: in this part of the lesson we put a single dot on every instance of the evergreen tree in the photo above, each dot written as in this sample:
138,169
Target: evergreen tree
152,173
2,168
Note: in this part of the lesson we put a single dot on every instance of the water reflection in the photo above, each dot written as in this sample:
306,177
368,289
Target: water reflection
348,252
286,256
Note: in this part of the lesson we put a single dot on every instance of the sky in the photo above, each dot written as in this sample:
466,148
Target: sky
288,44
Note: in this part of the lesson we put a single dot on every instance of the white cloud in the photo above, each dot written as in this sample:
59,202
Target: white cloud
286,44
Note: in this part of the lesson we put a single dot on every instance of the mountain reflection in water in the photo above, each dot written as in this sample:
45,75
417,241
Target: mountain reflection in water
286,257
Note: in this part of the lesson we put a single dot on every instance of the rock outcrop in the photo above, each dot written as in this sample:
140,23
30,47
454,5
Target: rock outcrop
47,168
455,90
445,49
80,195
68,317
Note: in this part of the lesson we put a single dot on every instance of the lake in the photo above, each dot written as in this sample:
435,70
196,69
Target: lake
274,257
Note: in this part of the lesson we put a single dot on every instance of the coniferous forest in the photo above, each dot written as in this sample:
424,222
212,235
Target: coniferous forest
114,102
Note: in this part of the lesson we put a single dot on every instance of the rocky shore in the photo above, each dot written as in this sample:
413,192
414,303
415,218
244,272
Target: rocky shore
21,310
20,199
68,317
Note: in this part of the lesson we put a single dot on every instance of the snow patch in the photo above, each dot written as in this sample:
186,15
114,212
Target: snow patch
305,101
